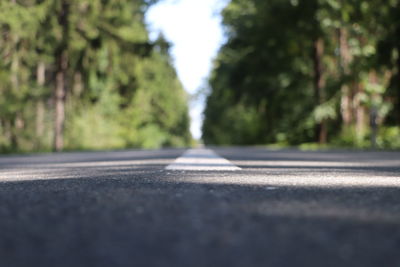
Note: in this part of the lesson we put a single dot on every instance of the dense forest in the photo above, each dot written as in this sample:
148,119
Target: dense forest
83,74
310,72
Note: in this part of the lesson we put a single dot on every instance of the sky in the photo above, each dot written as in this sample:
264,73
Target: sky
194,29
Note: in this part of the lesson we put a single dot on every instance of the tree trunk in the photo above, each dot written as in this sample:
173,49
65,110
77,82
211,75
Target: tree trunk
398,74
397,79
373,112
345,59
40,110
17,120
319,84
61,75
359,112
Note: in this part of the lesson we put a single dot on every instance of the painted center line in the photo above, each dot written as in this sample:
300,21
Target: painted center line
201,159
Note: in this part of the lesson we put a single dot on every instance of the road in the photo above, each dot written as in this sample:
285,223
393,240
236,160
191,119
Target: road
140,208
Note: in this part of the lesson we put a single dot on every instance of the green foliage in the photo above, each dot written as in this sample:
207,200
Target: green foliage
389,138
122,90
268,71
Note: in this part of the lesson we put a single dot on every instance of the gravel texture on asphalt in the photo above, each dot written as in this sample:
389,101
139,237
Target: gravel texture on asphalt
122,208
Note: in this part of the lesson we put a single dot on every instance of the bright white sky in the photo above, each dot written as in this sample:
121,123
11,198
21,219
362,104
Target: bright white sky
194,29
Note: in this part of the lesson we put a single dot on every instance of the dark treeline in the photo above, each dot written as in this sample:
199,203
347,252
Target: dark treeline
307,71
83,74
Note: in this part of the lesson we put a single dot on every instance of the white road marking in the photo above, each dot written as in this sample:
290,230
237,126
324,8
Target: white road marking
201,159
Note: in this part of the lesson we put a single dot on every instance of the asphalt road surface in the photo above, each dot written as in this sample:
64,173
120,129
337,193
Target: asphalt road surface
253,207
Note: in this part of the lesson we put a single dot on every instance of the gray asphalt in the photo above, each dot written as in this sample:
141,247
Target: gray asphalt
122,208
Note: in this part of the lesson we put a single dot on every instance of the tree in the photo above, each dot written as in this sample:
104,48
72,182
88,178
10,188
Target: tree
75,74
306,71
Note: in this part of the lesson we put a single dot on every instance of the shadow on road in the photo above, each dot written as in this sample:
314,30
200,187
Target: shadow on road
158,219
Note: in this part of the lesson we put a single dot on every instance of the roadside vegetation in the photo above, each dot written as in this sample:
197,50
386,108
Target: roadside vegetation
84,75
315,73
